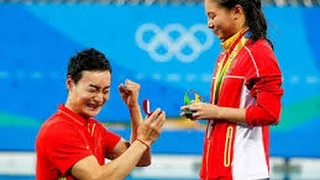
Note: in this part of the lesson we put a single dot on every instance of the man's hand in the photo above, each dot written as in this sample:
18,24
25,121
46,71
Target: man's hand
129,92
150,129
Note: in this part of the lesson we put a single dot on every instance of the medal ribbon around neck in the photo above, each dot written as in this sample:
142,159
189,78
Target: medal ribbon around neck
224,67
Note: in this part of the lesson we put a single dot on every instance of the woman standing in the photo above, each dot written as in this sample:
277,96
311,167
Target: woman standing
246,94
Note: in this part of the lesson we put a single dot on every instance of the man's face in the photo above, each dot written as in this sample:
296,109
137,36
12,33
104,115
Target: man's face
88,96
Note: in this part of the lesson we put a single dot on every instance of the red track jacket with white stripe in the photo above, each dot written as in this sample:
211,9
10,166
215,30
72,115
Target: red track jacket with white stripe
253,82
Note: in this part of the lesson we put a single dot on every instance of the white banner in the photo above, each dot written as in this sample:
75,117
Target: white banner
167,166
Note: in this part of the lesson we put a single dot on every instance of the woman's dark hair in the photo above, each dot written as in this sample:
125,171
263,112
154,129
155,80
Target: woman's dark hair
254,17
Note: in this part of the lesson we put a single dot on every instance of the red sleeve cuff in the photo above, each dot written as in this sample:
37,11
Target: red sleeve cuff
265,112
68,165
267,92
111,140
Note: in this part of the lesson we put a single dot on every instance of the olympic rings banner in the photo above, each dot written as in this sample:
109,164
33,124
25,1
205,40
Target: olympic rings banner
166,48
173,46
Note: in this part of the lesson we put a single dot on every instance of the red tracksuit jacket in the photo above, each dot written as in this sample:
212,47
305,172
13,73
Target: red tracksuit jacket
253,82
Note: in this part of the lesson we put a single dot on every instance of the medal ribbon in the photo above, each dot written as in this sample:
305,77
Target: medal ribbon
224,65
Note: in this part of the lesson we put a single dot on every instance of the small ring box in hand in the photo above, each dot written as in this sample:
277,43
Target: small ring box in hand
146,107
197,98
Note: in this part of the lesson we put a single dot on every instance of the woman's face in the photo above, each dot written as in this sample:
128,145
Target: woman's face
221,20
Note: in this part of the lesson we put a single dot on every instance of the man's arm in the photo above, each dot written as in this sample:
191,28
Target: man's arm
89,169
122,146
129,93
136,119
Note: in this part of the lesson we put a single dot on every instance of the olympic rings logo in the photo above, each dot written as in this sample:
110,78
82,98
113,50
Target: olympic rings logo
158,38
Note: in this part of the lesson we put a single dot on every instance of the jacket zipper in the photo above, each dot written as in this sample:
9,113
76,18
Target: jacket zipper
227,146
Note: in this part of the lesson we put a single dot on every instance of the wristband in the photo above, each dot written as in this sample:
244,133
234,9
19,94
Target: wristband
148,147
